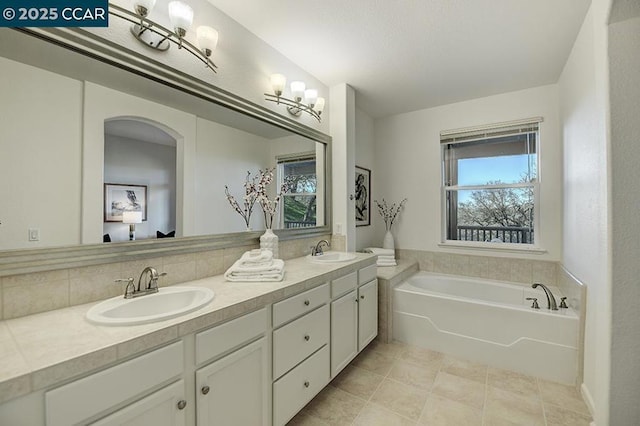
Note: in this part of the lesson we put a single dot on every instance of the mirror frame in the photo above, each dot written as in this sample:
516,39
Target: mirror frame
20,261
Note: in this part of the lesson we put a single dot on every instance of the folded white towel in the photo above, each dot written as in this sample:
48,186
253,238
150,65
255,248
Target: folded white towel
273,272
386,263
257,257
380,251
385,257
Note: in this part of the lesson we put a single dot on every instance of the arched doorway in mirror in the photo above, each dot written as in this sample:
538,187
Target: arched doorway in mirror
139,179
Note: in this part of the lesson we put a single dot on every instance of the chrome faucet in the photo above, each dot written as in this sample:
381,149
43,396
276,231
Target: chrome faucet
317,250
150,286
551,301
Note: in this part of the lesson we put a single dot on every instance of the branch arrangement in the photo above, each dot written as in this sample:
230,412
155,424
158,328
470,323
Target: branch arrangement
256,190
389,213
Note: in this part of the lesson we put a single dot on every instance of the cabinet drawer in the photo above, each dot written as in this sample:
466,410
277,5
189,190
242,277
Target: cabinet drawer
344,284
299,339
218,340
300,304
77,401
366,274
299,386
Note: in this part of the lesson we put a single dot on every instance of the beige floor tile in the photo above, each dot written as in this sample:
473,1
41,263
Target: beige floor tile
496,420
334,407
562,395
375,415
504,405
416,375
459,389
305,419
513,382
467,369
420,356
373,361
557,416
358,382
441,411
391,350
408,401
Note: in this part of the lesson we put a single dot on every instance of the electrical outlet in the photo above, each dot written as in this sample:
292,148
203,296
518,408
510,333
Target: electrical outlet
34,234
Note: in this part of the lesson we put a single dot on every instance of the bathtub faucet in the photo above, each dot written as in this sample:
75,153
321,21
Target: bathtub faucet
551,301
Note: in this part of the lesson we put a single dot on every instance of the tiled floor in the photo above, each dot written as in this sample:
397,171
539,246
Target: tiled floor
396,384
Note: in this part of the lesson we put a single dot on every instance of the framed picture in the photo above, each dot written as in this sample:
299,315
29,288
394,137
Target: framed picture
119,198
363,196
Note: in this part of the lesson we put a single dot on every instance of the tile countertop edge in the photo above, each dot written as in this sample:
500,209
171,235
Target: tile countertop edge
232,300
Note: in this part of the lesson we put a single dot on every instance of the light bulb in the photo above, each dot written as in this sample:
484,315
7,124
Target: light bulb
319,106
278,81
297,90
181,16
143,7
310,96
207,39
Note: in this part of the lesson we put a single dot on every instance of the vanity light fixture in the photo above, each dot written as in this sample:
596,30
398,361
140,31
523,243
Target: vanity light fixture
132,218
313,105
157,37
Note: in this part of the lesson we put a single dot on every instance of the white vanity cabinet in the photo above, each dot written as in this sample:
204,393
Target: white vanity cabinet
354,315
83,401
234,388
300,351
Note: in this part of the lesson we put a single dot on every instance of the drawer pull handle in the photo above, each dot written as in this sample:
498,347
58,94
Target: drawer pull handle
306,384
307,337
205,390
306,302
181,404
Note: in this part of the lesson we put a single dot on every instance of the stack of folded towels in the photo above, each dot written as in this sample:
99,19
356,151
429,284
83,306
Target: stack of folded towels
386,257
256,265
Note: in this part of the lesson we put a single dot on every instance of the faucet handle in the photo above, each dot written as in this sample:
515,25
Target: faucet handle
563,303
130,289
534,305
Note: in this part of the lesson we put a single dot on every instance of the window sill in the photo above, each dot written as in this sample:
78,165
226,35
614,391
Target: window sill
503,247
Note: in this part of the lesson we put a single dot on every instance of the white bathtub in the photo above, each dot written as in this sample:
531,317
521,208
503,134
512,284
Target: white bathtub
489,322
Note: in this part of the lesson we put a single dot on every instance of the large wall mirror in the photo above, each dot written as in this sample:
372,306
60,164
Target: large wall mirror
84,142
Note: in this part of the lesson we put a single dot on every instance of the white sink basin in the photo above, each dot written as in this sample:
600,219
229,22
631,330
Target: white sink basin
169,302
332,257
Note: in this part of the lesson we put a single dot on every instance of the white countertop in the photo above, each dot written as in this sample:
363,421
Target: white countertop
41,350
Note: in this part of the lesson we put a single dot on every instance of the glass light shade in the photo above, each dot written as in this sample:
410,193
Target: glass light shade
278,81
297,90
181,15
131,217
319,106
143,7
207,38
311,96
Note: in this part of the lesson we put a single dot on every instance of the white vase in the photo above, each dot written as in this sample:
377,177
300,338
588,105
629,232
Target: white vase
269,240
388,241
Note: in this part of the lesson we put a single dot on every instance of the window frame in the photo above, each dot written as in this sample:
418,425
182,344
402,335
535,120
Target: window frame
280,162
487,132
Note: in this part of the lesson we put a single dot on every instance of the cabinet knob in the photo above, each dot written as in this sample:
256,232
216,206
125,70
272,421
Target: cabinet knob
205,390
181,404
362,297
306,384
307,337
306,303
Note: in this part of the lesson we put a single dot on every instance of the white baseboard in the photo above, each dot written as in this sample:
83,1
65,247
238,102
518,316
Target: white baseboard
586,395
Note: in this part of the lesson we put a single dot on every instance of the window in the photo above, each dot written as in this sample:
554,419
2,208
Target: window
298,206
490,183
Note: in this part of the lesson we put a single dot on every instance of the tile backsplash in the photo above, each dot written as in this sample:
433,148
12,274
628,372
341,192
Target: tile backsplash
32,293
520,271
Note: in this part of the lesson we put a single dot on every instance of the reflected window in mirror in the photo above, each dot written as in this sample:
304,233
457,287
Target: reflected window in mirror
299,201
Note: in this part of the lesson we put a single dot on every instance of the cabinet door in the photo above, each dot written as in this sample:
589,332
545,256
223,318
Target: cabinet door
367,313
344,331
234,391
161,408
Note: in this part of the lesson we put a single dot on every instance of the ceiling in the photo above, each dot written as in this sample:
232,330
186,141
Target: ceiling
405,55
